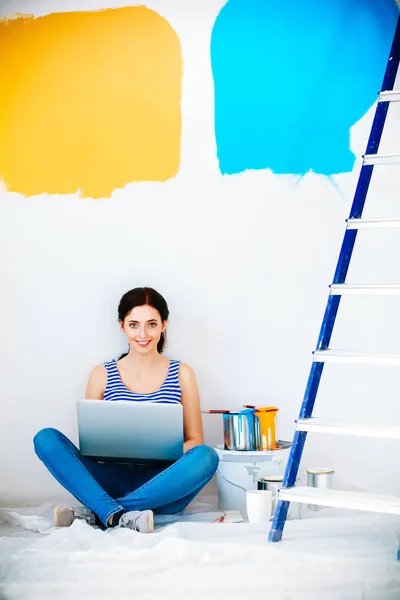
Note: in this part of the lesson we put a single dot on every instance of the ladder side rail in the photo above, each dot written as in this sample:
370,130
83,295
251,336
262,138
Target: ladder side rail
332,307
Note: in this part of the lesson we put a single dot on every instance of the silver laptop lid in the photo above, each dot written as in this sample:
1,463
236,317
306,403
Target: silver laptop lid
126,431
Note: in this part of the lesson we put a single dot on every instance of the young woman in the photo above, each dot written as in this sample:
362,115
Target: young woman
126,495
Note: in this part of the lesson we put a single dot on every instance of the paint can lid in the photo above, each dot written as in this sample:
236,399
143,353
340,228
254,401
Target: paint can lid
272,478
320,471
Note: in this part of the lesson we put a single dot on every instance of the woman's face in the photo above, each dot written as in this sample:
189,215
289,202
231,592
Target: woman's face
143,328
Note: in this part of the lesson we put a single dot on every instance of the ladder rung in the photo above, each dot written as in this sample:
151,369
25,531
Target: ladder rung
381,159
344,356
363,289
392,96
341,499
372,223
318,425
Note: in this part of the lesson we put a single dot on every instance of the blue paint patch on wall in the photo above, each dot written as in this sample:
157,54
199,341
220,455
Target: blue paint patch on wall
292,76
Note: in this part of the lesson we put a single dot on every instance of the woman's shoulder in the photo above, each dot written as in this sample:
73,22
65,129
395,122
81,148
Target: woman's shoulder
99,372
183,367
179,365
97,383
186,373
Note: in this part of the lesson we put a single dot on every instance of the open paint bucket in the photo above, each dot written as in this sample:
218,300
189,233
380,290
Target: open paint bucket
238,471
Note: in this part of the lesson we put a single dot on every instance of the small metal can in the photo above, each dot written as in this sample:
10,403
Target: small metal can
320,477
273,483
241,430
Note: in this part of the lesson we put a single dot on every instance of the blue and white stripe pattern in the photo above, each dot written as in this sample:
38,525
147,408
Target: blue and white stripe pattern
169,393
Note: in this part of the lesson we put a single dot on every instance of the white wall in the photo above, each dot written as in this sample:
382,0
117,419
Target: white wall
244,263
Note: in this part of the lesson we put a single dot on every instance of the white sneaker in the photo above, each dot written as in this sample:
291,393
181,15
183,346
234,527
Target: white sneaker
64,516
139,520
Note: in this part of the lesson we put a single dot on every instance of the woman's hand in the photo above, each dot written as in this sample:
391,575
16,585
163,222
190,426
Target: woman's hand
192,423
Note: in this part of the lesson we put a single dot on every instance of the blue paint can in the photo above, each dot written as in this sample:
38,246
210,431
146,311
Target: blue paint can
242,430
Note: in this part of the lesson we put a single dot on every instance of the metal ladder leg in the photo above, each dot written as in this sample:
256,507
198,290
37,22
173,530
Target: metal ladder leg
275,535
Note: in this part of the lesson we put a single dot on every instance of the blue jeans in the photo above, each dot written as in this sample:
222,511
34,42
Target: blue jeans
108,488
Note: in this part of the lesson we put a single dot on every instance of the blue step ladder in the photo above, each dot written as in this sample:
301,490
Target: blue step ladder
335,498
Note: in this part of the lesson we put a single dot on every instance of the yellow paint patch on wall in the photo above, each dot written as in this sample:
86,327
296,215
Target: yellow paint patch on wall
89,101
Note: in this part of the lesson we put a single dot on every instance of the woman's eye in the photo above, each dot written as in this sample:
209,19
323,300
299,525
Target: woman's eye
152,324
132,325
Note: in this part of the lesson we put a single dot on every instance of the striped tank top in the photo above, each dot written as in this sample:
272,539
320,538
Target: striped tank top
169,393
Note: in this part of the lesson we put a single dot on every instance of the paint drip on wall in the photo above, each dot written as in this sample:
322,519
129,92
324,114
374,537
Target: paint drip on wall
292,77
89,101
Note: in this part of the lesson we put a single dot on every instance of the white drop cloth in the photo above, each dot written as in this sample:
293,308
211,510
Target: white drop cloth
322,558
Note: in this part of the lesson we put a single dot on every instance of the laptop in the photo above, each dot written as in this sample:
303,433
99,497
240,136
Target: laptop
130,432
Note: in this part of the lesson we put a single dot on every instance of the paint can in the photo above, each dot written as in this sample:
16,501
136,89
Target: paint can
320,477
241,430
273,483
268,427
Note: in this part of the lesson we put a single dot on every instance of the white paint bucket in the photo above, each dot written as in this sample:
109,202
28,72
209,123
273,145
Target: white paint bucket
238,471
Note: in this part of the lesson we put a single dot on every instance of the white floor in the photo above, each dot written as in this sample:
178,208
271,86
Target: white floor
326,555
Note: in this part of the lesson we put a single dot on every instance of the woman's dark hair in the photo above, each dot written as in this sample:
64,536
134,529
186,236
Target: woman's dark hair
139,297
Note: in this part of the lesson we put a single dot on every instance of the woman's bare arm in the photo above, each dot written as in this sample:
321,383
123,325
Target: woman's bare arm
97,383
192,424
